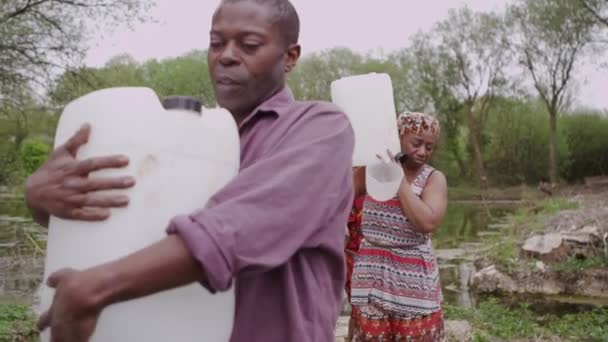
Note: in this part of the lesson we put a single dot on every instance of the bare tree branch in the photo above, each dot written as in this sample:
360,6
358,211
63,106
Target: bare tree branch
39,39
596,10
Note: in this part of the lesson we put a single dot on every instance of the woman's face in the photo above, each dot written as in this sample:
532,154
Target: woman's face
418,147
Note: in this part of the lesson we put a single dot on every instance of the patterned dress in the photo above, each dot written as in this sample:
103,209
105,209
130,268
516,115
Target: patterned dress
395,288
354,239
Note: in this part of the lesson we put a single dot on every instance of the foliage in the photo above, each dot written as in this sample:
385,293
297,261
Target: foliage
575,264
552,37
492,319
32,154
585,135
459,71
17,322
40,38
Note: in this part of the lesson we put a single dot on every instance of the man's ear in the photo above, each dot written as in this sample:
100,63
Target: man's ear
293,54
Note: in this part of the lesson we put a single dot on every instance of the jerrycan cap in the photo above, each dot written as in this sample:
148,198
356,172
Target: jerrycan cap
183,103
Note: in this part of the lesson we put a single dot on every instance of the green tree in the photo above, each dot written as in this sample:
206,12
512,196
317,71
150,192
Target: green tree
551,36
428,77
597,8
475,48
311,79
32,154
585,134
39,38
184,75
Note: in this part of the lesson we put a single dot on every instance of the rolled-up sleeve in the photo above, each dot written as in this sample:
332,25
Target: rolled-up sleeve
273,207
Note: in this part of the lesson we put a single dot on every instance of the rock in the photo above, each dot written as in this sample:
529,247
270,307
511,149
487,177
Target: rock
465,272
481,263
489,233
346,308
547,247
559,246
585,235
571,220
490,279
341,331
541,245
452,287
540,266
450,254
497,226
14,219
590,283
458,331
544,283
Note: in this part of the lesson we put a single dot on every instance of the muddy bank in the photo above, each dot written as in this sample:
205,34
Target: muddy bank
585,283
565,253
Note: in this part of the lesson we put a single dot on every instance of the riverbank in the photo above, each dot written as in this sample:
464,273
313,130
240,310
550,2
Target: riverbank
544,275
480,236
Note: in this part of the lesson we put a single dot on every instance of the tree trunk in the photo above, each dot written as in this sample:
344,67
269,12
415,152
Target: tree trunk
461,165
481,170
475,139
553,175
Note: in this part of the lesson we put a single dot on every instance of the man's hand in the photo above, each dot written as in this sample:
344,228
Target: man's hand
76,306
80,296
61,186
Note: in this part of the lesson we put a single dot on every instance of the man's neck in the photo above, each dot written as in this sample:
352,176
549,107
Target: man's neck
240,116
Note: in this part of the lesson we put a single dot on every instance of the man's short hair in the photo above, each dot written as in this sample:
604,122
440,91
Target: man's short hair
284,14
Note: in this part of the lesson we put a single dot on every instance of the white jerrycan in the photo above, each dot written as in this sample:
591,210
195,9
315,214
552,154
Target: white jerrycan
368,102
179,159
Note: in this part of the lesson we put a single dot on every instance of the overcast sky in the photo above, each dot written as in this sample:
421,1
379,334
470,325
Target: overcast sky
362,25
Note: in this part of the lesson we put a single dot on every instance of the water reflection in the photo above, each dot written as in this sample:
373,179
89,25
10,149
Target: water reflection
460,231
465,220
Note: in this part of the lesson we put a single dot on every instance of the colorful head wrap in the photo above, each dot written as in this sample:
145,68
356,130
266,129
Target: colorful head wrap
417,123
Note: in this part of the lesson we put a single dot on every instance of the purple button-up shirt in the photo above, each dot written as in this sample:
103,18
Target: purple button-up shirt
278,226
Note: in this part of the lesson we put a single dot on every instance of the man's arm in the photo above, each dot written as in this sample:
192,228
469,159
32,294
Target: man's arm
257,222
147,272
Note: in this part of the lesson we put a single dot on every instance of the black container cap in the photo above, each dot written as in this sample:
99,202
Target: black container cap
183,102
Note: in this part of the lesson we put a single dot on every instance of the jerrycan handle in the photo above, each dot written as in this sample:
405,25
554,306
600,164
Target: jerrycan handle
187,103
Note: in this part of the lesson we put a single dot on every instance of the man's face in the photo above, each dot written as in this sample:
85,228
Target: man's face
248,56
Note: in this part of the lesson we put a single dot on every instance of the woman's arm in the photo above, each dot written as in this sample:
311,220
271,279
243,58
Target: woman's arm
359,181
425,213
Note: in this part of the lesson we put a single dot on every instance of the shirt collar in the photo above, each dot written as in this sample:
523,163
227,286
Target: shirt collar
278,104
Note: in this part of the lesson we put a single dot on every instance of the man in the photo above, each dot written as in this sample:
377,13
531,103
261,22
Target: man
277,228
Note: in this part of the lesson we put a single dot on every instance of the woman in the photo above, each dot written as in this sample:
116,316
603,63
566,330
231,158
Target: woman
395,290
354,237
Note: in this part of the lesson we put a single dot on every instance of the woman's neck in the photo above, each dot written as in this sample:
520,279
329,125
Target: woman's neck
412,171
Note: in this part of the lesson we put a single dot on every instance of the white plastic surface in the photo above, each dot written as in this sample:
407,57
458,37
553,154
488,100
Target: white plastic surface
179,160
368,102
382,180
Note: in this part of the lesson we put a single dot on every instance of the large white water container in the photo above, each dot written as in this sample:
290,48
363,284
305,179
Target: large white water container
368,102
179,159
